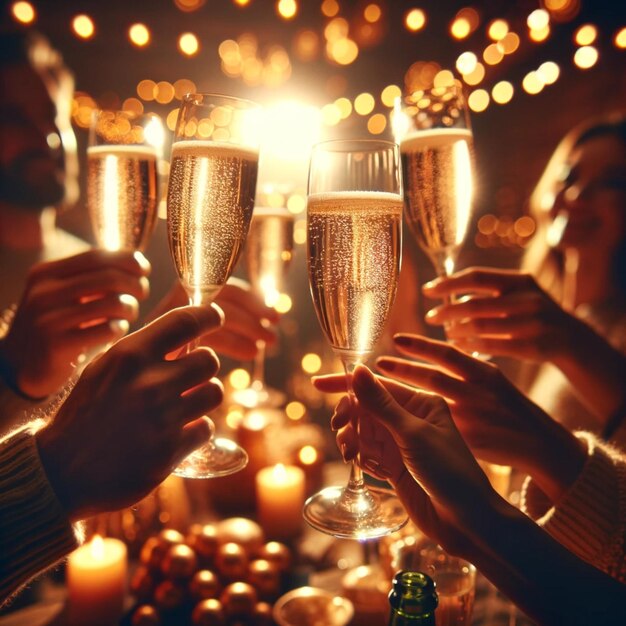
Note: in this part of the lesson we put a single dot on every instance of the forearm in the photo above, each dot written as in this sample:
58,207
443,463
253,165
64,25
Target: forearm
34,530
544,579
595,369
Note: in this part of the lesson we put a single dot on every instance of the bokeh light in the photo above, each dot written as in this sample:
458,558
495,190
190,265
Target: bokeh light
307,45
586,57
283,303
330,8
83,26
492,55
23,12
139,35
549,72
509,43
183,86
164,92
466,63
498,29
538,19
377,124
478,100
295,410
539,35
532,83
620,38
460,28
372,13
287,9
475,76
311,363
415,20
586,35
344,105
188,44
502,92
146,90
239,379
389,94
364,103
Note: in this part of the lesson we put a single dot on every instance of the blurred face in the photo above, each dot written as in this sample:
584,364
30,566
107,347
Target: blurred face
31,158
592,195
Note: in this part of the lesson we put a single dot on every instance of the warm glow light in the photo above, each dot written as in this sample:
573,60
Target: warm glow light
475,77
498,29
307,45
188,44
492,55
524,226
532,83
287,9
540,35
345,107
234,417
170,121
502,92
296,204
364,103
343,51
164,92
443,78
83,26
183,86
389,94
620,38
509,43
372,13
538,19
466,63
139,35
308,455
132,105
586,35
242,3
549,72
337,28
295,410
586,57
330,8
146,90
239,379
377,124
460,28
331,114
478,101
283,303
23,12
311,363
415,20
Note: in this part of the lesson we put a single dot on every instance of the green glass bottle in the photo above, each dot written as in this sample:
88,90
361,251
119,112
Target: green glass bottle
413,600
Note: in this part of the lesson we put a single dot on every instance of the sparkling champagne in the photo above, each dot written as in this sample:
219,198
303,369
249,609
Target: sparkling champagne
354,254
269,250
437,170
209,206
122,195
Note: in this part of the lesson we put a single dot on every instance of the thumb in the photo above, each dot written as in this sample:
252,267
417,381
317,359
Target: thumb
374,398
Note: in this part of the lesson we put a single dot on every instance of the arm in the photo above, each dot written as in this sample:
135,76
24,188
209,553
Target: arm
512,316
411,437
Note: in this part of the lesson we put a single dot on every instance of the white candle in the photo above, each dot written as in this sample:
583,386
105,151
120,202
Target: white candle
280,497
96,582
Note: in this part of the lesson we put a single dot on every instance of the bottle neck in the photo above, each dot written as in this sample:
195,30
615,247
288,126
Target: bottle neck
412,600
397,619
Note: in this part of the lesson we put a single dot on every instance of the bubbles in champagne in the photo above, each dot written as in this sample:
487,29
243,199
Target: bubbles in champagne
209,206
122,195
437,171
354,253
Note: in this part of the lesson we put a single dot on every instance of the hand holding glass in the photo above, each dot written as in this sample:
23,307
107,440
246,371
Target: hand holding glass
209,206
354,223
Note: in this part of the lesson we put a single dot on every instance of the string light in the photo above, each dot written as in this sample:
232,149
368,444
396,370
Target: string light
539,35
549,72
389,94
509,43
139,35
364,103
498,29
478,100
188,44
476,76
538,19
83,26
466,63
586,35
502,92
23,12
415,20
586,57
146,90
532,83
460,28
492,55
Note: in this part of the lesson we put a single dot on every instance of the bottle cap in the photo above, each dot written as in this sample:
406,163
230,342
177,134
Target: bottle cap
413,593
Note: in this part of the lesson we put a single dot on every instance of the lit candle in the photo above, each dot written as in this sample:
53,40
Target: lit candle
311,460
280,497
96,582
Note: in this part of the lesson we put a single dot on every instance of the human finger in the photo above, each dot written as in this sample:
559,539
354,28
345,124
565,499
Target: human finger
342,414
174,329
193,435
243,322
423,376
347,442
231,344
479,279
91,261
331,383
190,369
81,339
113,306
497,346
519,326
512,304
202,399
434,351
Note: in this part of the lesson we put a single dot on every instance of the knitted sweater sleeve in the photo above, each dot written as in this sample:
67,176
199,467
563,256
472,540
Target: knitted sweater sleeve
590,518
35,532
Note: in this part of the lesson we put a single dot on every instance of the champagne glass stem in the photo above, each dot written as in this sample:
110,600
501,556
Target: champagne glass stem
356,483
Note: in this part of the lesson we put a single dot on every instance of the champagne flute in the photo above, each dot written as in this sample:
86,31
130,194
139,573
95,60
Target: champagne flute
209,206
268,254
436,146
122,179
354,223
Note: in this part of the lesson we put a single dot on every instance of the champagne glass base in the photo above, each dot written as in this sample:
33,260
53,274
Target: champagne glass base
219,457
355,513
254,397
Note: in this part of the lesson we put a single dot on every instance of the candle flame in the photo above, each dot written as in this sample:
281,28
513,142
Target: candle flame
97,548
280,473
